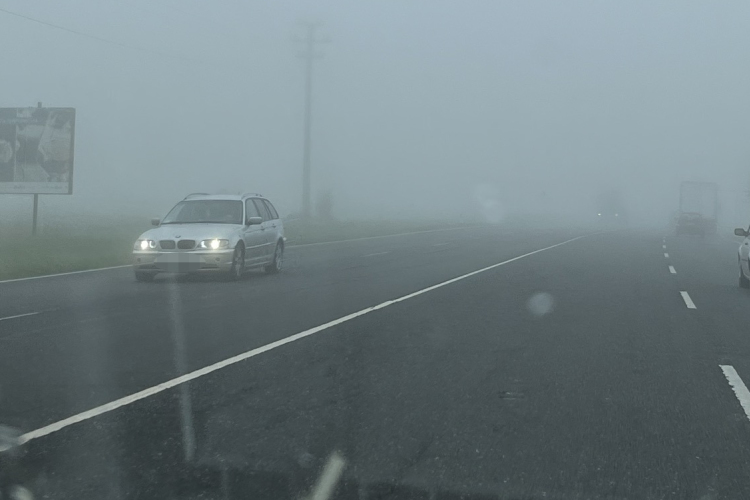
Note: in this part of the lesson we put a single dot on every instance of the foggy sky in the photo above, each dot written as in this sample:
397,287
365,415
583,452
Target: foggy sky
420,107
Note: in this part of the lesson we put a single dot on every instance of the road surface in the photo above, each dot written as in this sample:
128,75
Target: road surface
470,363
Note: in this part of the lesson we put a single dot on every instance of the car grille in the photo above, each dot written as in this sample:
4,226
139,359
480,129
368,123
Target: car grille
167,244
186,244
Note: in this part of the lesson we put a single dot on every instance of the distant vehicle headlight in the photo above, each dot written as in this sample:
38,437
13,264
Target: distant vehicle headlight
599,215
145,245
617,215
214,244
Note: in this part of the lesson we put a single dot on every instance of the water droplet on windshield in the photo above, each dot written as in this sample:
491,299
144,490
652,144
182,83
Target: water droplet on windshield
540,304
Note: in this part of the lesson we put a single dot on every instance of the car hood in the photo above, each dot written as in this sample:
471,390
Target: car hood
191,231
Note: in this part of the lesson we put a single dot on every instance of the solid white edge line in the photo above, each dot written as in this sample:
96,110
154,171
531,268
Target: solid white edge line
382,236
19,316
738,386
376,254
127,400
65,274
672,270
688,301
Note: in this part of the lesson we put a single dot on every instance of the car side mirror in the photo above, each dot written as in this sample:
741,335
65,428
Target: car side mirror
254,221
740,232
155,222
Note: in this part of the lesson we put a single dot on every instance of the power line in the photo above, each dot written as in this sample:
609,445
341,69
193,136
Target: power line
100,39
219,29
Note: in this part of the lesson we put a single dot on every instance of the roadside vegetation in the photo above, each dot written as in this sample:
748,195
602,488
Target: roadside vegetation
90,246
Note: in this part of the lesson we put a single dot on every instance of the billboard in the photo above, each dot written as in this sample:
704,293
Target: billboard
36,150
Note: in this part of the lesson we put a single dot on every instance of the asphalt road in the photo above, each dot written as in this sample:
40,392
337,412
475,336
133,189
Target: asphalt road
575,371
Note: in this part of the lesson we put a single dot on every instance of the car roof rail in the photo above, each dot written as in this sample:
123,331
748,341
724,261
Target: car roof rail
252,194
195,194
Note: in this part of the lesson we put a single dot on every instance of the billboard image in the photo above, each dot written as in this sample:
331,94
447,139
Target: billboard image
36,150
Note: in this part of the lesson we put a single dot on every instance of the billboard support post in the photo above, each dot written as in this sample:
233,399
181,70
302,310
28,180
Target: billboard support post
36,211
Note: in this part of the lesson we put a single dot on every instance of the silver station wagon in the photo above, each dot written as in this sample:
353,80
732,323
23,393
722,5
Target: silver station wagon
224,234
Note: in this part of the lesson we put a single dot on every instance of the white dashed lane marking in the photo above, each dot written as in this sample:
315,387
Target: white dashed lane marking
672,270
738,386
666,255
688,301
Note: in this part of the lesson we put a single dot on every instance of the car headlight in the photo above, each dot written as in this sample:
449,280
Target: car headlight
214,244
145,245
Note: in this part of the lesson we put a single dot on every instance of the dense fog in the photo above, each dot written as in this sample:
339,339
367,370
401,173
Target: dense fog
423,109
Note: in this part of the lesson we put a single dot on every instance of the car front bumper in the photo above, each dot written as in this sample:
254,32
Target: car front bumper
183,262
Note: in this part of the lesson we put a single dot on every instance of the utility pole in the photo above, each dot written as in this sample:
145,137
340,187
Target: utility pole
308,55
36,199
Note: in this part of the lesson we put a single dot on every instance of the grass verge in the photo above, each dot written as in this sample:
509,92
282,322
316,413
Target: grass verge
58,251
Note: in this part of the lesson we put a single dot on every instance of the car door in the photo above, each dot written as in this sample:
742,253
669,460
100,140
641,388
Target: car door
276,228
266,228
254,236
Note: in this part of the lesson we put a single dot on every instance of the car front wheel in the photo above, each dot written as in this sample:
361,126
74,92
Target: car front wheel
238,263
278,260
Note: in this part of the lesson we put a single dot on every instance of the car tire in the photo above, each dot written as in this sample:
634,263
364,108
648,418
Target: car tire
744,282
144,276
238,264
278,260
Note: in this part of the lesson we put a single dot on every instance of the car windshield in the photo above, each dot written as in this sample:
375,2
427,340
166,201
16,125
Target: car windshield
375,249
205,212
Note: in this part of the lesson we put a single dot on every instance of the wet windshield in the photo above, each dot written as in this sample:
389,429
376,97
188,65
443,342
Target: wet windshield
413,249
205,211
